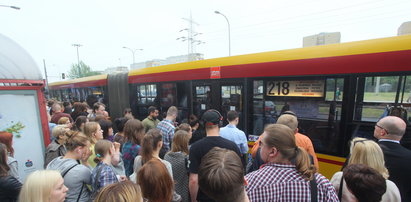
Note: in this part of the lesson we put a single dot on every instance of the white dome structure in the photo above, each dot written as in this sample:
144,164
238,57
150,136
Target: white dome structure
16,63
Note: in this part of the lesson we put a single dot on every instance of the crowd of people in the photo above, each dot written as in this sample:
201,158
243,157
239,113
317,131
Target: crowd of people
200,160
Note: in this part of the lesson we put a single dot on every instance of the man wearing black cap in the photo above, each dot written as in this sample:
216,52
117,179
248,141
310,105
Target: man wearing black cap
211,119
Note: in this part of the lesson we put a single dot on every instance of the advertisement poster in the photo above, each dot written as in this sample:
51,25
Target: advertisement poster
19,115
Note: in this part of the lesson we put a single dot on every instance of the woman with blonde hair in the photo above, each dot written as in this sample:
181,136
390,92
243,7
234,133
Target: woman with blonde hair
94,132
43,186
56,148
64,121
120,192
367,152
178,158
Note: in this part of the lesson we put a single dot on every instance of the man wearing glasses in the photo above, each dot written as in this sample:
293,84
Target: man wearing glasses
389,131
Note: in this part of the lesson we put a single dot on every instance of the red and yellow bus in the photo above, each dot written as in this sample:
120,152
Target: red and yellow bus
338,91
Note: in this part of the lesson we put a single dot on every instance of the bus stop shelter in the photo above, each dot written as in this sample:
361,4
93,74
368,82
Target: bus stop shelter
23,106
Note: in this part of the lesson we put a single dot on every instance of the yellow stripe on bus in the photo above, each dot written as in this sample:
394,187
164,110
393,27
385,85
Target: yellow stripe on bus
397,43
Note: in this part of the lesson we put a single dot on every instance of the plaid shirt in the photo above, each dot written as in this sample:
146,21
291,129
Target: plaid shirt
279,182
130,151
167,130
107,176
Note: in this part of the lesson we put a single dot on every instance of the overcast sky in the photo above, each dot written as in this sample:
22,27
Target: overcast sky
48,28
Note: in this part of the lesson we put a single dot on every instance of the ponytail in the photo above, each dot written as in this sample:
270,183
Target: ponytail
75,139
149,144
283,138
147,148
303,164
101,149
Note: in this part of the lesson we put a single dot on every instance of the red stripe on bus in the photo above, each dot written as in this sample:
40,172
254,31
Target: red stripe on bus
331,161
101,82
376,62
194,74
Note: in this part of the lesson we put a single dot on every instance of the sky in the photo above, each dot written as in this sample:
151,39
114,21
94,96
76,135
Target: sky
48,28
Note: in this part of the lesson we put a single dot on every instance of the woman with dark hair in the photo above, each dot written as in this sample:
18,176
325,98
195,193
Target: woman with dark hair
198,131
79,124
128,113
150,149
178,158
365,183
155,182
134,132
119,136
9,185
80,109
7,139
107,127
67,107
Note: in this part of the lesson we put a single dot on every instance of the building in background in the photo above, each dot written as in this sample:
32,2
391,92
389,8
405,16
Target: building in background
115,69
405,28
322,39
169,60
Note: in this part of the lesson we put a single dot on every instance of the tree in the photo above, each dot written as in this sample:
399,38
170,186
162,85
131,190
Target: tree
81,70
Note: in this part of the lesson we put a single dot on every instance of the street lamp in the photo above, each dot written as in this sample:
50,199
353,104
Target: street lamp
78,58
133,51
229,37
13,7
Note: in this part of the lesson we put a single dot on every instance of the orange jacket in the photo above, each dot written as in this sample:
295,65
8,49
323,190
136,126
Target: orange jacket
300,140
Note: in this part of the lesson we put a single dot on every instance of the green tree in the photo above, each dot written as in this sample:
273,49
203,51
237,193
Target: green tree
81,70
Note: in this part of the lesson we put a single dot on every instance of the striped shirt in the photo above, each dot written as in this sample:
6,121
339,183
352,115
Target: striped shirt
279,182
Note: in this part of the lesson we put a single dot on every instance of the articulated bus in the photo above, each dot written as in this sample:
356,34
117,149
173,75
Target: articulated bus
338,91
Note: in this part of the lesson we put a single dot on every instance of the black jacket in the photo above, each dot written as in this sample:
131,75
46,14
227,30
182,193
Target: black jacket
398,162
9,189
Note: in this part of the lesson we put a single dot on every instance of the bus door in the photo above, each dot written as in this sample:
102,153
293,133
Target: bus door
221,96
202,98
232,100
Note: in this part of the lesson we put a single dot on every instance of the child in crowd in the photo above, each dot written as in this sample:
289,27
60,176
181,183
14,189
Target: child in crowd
103,174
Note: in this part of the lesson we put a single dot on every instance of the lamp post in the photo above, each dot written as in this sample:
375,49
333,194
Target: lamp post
13,7
133,51
229,35
78,58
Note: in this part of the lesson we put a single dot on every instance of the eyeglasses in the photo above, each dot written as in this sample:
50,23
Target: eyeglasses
358,141
382,128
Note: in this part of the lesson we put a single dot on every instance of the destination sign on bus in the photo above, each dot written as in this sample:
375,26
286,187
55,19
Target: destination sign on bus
303,88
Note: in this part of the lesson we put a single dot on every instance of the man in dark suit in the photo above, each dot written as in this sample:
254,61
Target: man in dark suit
389,132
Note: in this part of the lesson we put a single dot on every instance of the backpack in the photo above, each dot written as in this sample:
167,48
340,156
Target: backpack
398,111
65,173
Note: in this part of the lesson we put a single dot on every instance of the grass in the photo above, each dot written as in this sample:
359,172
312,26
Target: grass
370,96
